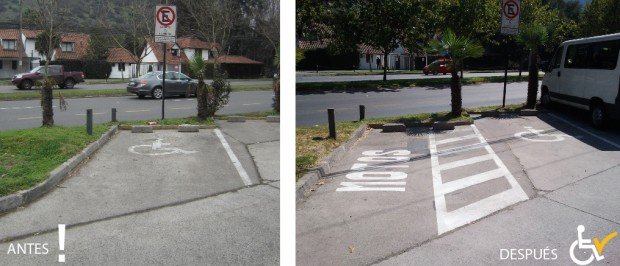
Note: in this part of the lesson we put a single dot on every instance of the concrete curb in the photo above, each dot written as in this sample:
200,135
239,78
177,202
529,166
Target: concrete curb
24,197
164,127
306,182
394,127
272,119
236,119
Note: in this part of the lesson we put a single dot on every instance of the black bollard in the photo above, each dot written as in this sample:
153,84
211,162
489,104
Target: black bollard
89,121
332,123
362,112
113,114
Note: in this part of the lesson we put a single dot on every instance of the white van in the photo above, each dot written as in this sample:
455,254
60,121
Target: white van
584,73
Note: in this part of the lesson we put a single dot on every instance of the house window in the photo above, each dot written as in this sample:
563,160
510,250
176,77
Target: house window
66,47
121,66
14,64
8,44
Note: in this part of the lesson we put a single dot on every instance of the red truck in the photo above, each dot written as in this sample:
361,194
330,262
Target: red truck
65,80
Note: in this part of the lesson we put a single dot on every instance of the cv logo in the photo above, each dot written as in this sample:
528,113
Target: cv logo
596,248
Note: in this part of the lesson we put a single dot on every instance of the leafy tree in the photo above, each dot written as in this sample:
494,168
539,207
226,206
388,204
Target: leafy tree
457,48
532,36
97,48
601,17
46,42
219,92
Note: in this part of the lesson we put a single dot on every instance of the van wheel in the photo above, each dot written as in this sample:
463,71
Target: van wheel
69,83
598,116
27,84
545,99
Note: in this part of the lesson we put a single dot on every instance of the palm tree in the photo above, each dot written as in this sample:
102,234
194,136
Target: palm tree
197,67
457,48
532,36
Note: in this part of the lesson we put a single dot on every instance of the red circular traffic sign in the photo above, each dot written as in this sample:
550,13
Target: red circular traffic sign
163,18
511,9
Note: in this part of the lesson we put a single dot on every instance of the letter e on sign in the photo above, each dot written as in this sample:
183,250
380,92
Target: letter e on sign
511,9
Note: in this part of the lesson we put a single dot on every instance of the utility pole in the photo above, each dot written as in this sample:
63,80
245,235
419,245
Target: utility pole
19,40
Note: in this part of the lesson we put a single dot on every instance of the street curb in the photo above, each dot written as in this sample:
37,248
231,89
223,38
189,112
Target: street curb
165,127
236,119
308,180
24,197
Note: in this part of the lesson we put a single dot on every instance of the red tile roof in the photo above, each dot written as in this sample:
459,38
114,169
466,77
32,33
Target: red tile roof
11,34
121,55
31,34
234,59
192,42
312,45
156,48
80,46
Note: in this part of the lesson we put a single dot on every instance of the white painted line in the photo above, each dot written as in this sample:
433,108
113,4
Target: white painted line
616,145
464,182
464,162
4,108
28,118
461,149
233,158
136,111
93,114
445,141
365,186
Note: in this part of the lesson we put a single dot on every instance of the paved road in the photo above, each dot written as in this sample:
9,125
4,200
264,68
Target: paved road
82,86
135,203
312,108
305,77
468,196
27,114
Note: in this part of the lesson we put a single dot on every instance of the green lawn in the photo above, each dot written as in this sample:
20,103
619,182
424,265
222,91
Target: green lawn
399,83
313,144
27,156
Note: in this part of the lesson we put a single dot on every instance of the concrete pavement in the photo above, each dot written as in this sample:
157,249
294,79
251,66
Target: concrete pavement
440,198
27,114
312,107
162,198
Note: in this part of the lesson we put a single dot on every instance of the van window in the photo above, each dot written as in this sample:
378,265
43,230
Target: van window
557,58
604,55
576,56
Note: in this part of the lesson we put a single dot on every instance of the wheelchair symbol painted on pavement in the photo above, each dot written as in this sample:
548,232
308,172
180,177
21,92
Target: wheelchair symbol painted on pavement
536,135
157,148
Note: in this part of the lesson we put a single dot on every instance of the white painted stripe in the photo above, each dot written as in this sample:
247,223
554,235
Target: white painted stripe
616,145
233,158
27,118
93,114
461,149
464,182
370,186
4,108
445,141
464,162
136,111
363,166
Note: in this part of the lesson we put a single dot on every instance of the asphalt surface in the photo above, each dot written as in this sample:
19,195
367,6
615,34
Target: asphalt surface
468,196
27,114
82,86
312,107
304,77
183,201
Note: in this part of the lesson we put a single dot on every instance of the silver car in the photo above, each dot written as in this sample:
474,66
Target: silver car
151,84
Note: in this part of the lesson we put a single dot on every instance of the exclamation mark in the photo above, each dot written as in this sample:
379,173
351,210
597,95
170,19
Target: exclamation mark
61,242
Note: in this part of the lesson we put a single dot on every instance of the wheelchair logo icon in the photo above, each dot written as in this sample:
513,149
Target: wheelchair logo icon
587,244
158,148
536,135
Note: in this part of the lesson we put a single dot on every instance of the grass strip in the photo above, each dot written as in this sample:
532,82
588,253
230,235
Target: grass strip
313,144
395,84
27,156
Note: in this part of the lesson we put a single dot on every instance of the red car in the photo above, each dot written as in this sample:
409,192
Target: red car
438,66
64,79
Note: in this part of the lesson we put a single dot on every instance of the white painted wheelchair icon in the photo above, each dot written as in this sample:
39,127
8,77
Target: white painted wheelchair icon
536,135
157,148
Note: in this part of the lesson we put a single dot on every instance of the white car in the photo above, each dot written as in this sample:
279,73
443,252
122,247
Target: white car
584,73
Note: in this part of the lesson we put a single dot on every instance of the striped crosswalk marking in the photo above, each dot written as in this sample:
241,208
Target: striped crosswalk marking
449,220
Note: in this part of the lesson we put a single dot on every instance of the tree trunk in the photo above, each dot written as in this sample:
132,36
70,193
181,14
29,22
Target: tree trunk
46,104
201,95
532,83
455,90
385,56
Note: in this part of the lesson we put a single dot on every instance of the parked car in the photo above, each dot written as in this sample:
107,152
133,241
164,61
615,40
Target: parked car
438,66
151,84
584,74
65,80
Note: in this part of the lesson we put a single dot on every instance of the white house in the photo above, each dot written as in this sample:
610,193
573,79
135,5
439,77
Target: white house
153,57
29,38
371,58
10,50
192,46
123,63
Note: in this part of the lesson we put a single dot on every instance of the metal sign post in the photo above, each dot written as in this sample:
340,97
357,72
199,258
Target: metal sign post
165,32
510,26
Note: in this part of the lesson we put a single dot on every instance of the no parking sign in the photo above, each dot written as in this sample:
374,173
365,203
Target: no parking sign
511,9
165,23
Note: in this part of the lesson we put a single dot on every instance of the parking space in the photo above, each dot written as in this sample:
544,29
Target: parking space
398,197
148,185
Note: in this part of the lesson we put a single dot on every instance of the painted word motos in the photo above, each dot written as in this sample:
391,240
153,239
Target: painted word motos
378,170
